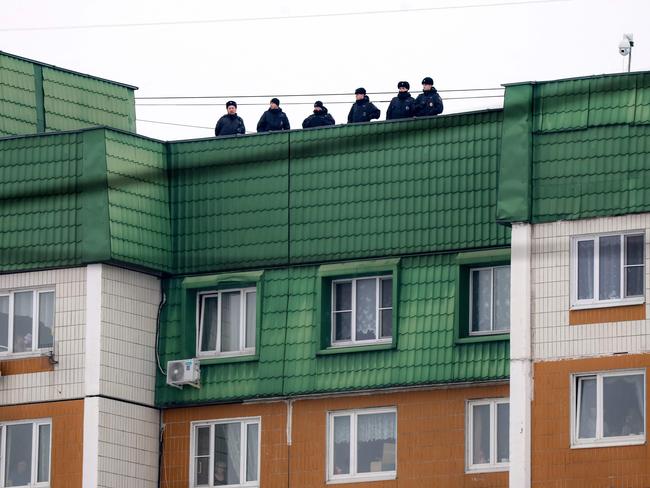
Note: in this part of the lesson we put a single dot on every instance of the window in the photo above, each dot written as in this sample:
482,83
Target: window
226,453
362,310
362,444
488,444
227,322
489,300
608,269
25,453
26,320
609,408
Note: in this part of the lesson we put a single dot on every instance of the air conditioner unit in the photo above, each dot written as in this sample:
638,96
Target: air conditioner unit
184,372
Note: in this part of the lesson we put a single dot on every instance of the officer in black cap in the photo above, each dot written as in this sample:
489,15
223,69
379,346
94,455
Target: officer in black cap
363,110
231,123
402,106
319,118
428,102
274,118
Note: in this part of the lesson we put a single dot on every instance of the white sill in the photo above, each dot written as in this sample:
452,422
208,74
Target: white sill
608,303
487,468
373,342
614,442
391,475
10,356
231,354
489,333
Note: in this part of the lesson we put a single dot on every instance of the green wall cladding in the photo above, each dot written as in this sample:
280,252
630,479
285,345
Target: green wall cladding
74,102
138,201
17,97
288,364
39,221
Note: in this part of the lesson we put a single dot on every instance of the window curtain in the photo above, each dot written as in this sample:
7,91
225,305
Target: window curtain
376,427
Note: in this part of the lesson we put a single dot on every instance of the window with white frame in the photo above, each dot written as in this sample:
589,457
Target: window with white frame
362,444
488,444
609,408
26,320
489,300
608,269
25,453
362,310
226,322
226,453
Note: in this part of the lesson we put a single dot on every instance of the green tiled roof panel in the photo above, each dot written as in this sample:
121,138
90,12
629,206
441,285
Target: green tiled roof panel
74,101
394,188
17,97
138,201
230,200
425,352
38,215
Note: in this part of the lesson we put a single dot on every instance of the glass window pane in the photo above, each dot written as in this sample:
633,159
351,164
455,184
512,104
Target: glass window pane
634,281
18,462
343,326
386,292
343,296
587,403
209,325
634,249
45,319
202,456
341,454
23,319
481,299
227,455
386,325
230,317
623,405
252,442
43,471
481,434
609,267
502,298
585,270
366,315
4,323
203,441
251,319
376,440
503,432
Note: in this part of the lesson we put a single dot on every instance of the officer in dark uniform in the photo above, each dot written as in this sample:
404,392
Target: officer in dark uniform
428,102
274,118
231,123
319,118
363,110
402,106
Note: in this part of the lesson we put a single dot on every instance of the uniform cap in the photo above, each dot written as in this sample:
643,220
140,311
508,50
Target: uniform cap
404,84
360,91
275,100
427,81
318,103
231,103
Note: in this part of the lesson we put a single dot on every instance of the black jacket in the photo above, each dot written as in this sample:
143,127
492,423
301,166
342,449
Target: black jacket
401,107
273,119
363,111
318,119
229,125
428,103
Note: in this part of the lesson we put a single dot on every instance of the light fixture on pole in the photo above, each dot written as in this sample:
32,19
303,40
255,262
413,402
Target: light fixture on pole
625,48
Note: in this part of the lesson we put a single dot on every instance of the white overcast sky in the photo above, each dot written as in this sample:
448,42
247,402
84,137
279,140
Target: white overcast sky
282,50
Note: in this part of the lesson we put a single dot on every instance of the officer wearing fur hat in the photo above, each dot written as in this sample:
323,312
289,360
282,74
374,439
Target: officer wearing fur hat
428,102
231,123
274,118
402,106
363,110
319,118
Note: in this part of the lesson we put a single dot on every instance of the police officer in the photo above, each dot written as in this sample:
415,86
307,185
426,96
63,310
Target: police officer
362,109
274,118
428,102
402,106
231,123
319,118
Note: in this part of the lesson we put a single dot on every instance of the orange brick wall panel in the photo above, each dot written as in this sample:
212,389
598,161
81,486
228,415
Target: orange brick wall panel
554,463
26,365
607,314
67,437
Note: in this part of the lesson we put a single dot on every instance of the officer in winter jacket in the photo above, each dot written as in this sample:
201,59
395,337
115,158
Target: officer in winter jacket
273,119
428,102
231,123
319,118
402,106
362,110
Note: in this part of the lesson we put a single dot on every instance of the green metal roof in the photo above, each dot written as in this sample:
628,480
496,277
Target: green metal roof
17,96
